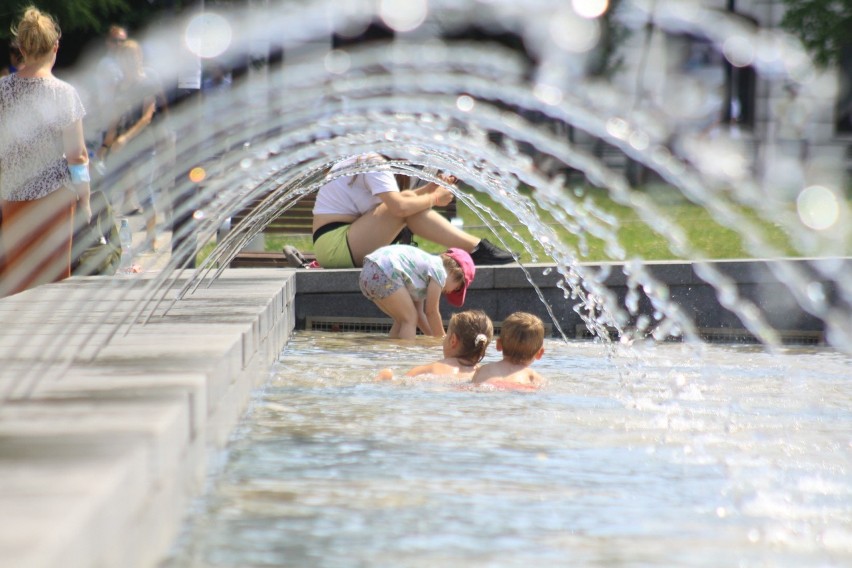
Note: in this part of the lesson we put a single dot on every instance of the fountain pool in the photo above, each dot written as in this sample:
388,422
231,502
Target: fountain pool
730,457
636,454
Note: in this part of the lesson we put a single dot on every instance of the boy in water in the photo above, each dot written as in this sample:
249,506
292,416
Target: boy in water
521,341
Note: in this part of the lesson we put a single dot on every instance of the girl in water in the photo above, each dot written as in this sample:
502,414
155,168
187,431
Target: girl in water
468,336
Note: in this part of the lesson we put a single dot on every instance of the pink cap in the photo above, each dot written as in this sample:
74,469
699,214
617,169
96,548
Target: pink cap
468,269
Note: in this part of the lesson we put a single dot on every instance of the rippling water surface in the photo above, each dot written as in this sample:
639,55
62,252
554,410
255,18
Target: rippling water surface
658,456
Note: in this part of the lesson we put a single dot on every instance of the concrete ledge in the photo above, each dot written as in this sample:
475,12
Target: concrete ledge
501,290
99,465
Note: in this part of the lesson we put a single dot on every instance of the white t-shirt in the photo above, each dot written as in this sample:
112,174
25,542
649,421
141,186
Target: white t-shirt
353,195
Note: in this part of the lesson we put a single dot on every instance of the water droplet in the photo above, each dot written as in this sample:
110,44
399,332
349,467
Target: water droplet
816,292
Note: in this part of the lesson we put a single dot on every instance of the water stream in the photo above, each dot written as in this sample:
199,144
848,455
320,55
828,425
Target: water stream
497,119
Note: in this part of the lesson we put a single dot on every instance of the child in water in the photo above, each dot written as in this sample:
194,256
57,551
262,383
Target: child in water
406,283
522,342
464,346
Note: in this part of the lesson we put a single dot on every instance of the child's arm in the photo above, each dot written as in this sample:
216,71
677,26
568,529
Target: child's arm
432,310
422,321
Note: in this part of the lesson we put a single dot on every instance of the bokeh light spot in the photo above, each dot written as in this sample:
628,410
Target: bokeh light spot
818,207
590,8
208,35
548,94
197,174
572,33
739,51
403,16
465,103
618,128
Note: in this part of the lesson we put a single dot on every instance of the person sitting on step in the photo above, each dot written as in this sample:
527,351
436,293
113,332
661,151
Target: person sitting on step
355,215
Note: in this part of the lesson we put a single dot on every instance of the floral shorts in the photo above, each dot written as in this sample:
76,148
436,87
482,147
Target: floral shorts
374,283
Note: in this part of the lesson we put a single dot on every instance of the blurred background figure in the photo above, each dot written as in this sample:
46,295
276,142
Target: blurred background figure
99,94
43,160
130,142
108,70
15,60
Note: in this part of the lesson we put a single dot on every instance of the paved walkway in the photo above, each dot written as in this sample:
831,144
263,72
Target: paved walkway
99,464
149,260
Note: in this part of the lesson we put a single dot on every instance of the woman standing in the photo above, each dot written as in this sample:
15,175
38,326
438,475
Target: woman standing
44,172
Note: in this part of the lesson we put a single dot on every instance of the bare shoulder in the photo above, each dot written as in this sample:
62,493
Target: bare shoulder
437,368
525,379
486,372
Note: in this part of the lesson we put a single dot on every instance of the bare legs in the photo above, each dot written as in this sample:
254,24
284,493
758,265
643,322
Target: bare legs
379,227
400,307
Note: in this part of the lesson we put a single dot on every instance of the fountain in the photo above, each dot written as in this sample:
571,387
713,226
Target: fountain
498,120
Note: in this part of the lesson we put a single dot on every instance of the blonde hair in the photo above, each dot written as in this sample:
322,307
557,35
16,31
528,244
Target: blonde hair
521,337
452,267
474,330
36,34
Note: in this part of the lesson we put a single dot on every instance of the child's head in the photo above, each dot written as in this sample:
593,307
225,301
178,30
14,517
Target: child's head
473,330
461,270
521,338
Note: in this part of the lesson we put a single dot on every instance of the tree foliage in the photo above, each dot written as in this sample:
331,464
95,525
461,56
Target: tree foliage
823,26
73,15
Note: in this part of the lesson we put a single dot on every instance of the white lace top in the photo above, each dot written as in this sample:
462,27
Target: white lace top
33,113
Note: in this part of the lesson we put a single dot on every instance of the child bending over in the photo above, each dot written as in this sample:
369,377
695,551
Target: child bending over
406,283
521,341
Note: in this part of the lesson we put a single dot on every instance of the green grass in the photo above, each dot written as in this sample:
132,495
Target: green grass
706,236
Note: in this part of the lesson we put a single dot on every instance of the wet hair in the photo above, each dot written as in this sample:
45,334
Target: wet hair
36,33
452,267
521,337
474,330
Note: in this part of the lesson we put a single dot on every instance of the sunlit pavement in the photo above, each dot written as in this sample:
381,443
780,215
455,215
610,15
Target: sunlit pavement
103,447
148,260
